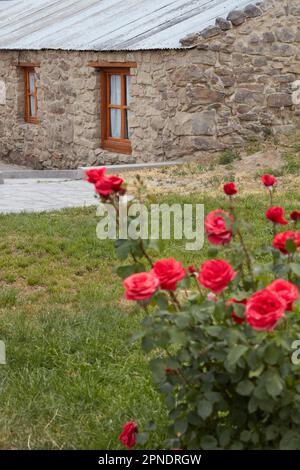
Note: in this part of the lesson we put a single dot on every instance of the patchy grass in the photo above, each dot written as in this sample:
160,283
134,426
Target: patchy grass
229,156
73,376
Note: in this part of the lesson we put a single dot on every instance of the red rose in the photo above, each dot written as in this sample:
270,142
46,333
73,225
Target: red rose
230,189
108,185
169,272
218,232
216,275
295,216
127,436
235,318
287,291
192,269
95,174
264,309
276,215
281,239
141,286
105,185
268,180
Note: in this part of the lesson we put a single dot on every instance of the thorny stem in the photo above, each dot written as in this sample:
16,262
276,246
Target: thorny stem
271,196
274,235
179,371
175,301
197,284
245,249
290,260
248,257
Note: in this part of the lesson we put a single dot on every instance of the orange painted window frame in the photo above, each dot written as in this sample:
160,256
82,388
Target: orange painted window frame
28,117
118,145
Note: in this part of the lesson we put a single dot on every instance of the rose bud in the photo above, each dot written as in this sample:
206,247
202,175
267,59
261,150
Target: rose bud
192,269
276,215
230,189
127,436
295,216
269,180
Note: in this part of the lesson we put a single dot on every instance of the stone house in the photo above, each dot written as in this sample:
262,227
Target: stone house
92,82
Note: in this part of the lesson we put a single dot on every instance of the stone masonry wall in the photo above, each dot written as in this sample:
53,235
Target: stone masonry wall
228,87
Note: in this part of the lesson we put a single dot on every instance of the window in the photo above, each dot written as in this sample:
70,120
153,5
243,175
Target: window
115,100
31,100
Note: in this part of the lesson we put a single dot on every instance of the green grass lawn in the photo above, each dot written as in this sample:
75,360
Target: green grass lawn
73,376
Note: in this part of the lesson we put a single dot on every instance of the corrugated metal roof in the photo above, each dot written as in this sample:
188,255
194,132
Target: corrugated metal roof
106,24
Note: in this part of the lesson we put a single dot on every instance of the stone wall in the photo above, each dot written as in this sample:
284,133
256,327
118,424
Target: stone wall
230,86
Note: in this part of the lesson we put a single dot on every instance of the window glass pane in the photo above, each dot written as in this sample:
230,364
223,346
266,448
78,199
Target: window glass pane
115,123
128,134
31,82
127,85
32,106
115,89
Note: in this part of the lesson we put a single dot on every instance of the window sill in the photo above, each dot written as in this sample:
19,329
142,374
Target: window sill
32,120
117,147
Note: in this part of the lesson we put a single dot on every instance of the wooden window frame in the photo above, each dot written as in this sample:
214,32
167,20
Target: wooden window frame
27,94
118,145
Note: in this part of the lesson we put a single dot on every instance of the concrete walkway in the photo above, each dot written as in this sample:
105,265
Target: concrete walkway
44,195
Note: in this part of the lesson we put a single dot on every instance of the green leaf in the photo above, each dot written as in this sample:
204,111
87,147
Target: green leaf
271,432
162,300
224,438
147,344
257,372
158,368
180,426
245,388
236,353
290,246
212,251
142,438
290,441
185,283
272,354
204,409
125,271
123,248
273,384
295,267
214,331
150,426
237,446
208,443
246,436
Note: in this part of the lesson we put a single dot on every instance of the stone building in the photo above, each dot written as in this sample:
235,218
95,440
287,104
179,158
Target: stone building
93,82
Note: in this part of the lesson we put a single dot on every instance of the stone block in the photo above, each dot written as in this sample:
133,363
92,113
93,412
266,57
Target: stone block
237,17
252,11
225,25
211,31
279,100
203,95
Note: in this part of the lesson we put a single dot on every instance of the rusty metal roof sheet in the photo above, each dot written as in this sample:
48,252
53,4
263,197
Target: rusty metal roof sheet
103,25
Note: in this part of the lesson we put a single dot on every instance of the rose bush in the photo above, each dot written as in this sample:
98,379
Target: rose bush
220,335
